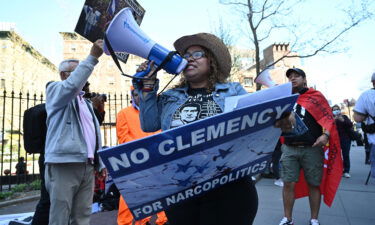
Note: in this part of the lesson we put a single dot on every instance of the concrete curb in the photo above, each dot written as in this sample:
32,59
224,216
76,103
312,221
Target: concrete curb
20,200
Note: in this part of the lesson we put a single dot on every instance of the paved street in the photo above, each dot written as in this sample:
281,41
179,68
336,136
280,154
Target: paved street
354,203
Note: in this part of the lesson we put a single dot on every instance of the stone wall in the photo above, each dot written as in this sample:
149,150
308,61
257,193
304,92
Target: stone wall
22,68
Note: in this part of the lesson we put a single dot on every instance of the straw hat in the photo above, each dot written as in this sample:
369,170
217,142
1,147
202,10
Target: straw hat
212,43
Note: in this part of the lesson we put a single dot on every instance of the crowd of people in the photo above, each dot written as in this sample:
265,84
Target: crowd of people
73,138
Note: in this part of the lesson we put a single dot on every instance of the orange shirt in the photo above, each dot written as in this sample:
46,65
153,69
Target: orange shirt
128,128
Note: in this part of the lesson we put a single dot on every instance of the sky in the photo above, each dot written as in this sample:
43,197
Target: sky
343,75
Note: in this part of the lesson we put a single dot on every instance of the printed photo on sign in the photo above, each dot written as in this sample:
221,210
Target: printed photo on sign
97,14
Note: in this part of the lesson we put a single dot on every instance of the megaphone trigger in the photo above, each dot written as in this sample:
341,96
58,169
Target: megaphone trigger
143,73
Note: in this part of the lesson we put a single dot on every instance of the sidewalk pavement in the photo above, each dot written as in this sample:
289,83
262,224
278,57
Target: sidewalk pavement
354,203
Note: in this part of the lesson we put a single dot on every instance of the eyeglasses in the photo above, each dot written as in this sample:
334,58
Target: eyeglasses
195,55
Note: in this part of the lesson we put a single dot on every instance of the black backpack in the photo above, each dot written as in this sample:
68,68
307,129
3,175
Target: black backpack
368,128
110,200
35,129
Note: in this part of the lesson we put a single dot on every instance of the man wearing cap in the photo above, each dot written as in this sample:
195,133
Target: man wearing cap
364,111
306,151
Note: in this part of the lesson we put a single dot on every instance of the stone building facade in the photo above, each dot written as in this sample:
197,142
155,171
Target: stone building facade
22,68
271,54
24,73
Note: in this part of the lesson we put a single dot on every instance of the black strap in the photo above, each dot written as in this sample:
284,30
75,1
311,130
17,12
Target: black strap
167,84
168,58
114,57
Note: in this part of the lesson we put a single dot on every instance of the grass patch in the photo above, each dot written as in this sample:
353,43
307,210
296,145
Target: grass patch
19,188
6,195
35,185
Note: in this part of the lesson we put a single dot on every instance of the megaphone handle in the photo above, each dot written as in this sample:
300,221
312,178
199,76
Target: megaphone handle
143,73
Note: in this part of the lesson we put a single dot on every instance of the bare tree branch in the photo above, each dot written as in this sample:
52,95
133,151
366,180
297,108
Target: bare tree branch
265,16
233,3
322,48
269,32
274,12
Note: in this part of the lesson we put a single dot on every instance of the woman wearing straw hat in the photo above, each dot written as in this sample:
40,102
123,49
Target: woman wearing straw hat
204,82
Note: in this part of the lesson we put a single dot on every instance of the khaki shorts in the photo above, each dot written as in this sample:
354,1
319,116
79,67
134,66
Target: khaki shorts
310,159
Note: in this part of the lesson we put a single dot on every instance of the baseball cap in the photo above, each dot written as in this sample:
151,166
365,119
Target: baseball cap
296,70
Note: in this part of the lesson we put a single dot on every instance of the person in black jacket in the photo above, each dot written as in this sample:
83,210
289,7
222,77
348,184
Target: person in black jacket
97,100
344,126
21,166
367,148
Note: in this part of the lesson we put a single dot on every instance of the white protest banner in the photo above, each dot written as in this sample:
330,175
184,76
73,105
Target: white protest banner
158,171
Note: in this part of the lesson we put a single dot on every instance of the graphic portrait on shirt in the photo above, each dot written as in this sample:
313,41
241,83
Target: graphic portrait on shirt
199,105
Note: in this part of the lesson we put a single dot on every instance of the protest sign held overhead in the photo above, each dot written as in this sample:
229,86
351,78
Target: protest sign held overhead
96,15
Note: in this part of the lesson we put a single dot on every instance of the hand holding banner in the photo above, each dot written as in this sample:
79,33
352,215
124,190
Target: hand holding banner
158,171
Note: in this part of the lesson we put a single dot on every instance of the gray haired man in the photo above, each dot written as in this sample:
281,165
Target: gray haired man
73,138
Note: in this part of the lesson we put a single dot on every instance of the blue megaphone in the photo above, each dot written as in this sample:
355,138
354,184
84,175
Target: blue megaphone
125,35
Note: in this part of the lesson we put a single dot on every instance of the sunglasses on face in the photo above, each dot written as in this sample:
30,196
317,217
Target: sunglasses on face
194,55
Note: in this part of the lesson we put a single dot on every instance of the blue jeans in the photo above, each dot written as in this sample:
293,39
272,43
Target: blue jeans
372,159
345,146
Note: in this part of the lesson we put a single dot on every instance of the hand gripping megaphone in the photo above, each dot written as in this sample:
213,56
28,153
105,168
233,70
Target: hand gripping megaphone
124,35
264,78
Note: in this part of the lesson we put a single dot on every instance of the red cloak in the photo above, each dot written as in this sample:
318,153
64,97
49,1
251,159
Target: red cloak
316,104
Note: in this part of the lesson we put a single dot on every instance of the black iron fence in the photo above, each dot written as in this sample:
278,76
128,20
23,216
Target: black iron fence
13,104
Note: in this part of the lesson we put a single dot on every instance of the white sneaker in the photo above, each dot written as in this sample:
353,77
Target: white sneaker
347,175
285,221
279,183
314,222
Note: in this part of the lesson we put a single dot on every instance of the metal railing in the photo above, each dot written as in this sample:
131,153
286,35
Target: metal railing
13,105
